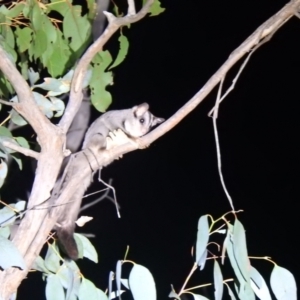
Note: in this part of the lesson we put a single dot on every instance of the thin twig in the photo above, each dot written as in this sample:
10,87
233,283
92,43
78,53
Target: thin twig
25,151
234,81
104,196
215,116
131,7
7,102
266,29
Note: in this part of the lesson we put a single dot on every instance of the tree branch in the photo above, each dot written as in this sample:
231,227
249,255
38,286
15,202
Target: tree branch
26,105
105,157
7,102
25,151
76,86
263,31
37,223
11,278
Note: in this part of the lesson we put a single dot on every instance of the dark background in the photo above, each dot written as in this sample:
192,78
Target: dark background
164,189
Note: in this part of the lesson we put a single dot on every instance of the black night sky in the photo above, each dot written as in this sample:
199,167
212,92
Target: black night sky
164,189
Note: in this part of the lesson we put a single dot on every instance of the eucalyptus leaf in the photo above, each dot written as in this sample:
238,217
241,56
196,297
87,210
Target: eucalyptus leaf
87,290
5,232
100,97
39,265
54,288
259,285
52,260
123,51
58,106
77,28
3,171
218,281
60,59
16,118
22,142
283,284
202,237
24,38
10,255
88,249
141,283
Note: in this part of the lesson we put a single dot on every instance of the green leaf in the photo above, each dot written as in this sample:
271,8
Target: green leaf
5,232
235,246
100,98
10,255
87,290
88,249
39,265
40,43
125,283
240,249
54,86
7,215
33,76
5,132
47,55
202,237
92,9
230,292
17,118
218,281
23,64
70,279
155,8
61,7
202,261
228,244
44,104
52,258
27,10
3,171
87,78
101,295
4,11
54,289
58,106
24,38
11,53
199,297
77,28
58,61
118,275
36,16
18,160
20,205
259,285
141,283
7,149
124,45
79,246
6,88
22,142
283,284
246,292
50,30
8,35
16,10
172,294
